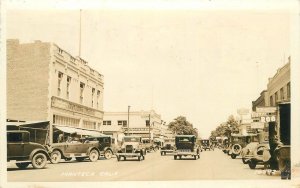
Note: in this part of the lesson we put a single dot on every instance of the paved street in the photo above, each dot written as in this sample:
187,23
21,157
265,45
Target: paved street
212,165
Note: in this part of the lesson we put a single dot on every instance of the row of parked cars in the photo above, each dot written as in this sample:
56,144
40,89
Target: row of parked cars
23,152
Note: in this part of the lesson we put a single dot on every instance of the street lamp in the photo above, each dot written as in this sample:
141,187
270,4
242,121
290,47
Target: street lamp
128,121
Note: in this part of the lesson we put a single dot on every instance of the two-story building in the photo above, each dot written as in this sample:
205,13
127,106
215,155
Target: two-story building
44,82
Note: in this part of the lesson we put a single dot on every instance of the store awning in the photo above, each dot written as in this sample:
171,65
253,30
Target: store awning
37,125
78,131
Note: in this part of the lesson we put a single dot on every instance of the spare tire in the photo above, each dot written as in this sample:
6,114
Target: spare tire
236,149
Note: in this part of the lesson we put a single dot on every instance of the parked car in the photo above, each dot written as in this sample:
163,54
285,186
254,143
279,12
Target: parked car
168,146
149,145
81,149
132,147
257,155
238,142
248,151
24,152
107,146
186,146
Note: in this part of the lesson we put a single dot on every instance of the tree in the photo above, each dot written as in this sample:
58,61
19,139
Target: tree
181,126
225,129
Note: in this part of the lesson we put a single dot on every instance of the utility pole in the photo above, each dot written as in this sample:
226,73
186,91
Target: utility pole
128,121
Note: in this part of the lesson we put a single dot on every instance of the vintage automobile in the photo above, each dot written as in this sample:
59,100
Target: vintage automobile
131,147
107,146
168,147
255,153
206,144
24,152
80,149
185,145
149,145
238,142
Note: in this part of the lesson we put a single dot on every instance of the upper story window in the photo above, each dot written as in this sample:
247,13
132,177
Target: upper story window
82,86
276,97
93,94
281,94
68,86
106,122
271,101
288,90
122,123
98,96
60,76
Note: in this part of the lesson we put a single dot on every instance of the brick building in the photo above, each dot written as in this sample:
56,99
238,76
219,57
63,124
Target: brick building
44,82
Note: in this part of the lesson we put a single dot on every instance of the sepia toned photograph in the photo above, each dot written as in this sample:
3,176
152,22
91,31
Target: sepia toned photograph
161,92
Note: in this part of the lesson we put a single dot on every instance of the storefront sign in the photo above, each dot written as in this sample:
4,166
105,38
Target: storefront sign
257,125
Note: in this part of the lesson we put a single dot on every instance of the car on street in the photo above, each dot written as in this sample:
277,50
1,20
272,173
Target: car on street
168,146
238,142
107,146
24,152
132,147
256,153
185,145
149,145
80,149
206,144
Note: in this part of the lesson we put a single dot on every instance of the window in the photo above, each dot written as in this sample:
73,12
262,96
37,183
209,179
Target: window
106,122
14,137
63,120
281,94
98,96
60,76
82,85
276,97
147,123
89,124
68,86
271,101
288,90
122,122
93,93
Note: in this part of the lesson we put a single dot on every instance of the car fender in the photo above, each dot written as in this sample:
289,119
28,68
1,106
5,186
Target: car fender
35,151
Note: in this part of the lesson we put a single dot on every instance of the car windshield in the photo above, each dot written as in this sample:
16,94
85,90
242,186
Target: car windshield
131,139
184,139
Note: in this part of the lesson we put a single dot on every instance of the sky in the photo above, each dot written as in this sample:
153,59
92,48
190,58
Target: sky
200,63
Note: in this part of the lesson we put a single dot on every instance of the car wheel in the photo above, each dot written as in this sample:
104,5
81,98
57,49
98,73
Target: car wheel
198,156
79,159
233,156
175,157
124,158
244,160
39,160
118,158
252,164
195,157
161,153
180,157
108,154
55,156
22,165
94,155
143,157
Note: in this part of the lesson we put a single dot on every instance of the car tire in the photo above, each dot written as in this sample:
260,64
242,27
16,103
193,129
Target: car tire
124,158
118,158
180,157
195,157
79,159
108,154
143,157
252,164
94,155
22,165
139,158
39,160
161,153
244,161
233,156
175,157
55,156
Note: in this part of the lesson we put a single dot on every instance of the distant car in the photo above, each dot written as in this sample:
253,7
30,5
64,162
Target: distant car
206,144
107,146
186,146
24,152
81,150
149,145
168,146
131,147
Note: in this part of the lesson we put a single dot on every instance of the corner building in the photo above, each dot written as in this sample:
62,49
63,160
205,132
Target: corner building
44,82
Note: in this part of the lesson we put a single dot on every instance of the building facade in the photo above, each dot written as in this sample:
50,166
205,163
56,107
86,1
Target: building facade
44,82
142,123
278,89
